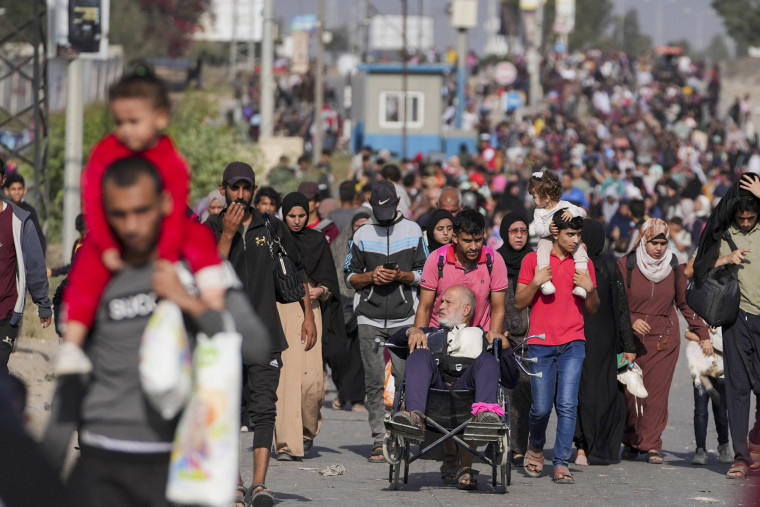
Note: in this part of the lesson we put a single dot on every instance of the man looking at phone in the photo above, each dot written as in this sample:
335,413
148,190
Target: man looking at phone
384,265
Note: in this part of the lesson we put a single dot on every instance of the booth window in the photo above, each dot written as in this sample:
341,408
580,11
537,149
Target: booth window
392,111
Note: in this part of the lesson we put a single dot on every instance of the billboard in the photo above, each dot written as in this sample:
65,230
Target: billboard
386,32
564,19
232,19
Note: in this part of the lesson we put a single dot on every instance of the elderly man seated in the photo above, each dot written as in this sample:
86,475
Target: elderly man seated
454,356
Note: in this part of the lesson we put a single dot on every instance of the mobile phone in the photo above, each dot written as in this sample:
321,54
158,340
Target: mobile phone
390,265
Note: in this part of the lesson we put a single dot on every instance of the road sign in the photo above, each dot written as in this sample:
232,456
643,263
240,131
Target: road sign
513,100
505,73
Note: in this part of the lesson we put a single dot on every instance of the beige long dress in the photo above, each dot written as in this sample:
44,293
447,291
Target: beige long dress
301,392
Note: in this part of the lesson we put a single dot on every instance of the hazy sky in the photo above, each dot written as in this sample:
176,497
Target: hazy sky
691,19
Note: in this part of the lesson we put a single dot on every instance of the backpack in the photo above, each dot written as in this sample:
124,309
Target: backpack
630,263
442,262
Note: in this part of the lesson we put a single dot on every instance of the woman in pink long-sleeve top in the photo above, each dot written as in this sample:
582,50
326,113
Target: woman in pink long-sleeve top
653,295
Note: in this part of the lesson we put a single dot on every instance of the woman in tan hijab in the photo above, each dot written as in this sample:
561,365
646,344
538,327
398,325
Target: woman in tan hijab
654,291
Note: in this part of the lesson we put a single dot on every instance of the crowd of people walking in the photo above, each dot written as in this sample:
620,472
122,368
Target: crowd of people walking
629,187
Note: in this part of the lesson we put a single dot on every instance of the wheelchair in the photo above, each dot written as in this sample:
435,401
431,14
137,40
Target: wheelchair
448,413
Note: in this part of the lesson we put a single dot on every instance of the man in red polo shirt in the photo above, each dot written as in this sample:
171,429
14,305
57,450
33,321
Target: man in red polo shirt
559,357
465,262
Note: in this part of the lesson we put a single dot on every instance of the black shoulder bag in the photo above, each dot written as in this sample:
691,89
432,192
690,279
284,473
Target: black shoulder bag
288,285
716,297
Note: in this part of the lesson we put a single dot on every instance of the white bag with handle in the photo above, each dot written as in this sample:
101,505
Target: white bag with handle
165,361
204,460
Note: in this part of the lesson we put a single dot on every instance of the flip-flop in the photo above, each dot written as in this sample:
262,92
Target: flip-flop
260,498
739,470
534,463
562,475
240,494
469,475
376,456
449,468
654,458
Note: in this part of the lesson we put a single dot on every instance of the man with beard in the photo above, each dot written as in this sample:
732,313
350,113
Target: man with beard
454,356
242,238
384,266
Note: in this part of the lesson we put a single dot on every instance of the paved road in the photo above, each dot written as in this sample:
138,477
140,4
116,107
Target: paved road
345,440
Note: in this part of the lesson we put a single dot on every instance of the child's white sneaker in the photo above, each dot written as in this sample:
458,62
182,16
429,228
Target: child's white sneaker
580,292
547,288
71,360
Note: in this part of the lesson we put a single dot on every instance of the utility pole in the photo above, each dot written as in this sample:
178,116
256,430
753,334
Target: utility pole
73,150
534,58
461,74
365,53
319,86
234,43
404,78
267,71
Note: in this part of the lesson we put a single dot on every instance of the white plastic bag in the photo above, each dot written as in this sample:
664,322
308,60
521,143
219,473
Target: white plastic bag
204,461
165,361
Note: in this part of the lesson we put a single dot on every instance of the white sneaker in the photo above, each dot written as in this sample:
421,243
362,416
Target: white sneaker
633,379
580,292
547,288
71,360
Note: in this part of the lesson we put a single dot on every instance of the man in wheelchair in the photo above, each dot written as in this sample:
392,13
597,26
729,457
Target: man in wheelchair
455,357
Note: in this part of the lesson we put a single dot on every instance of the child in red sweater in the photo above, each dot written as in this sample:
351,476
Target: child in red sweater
140,107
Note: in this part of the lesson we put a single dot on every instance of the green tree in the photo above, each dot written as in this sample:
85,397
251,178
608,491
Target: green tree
633,41
593,19
741,19
717,50
128,27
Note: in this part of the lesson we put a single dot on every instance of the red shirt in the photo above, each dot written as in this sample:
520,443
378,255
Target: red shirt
560,315
8,291
477,279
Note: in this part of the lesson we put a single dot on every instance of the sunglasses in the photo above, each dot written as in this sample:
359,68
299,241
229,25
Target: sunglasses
518,230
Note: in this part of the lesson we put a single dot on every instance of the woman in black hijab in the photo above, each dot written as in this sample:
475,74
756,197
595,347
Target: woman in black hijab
514,231
301,390
440,229
341,352
601,401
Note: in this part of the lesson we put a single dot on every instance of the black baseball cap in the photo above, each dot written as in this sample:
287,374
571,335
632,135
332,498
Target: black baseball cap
238,171
383,200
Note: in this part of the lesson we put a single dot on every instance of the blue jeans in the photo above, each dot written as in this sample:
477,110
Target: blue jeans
701,400
561,367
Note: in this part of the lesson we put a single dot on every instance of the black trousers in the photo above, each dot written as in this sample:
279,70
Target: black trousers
259,408
8,335
743,334
119,479
344,358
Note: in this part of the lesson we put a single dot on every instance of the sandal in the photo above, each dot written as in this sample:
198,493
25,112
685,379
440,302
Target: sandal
261,498
534,462
629,453
338,405
376,456
739,470
449,468
654,458
562,475
240,496
359,408
518,459
467,479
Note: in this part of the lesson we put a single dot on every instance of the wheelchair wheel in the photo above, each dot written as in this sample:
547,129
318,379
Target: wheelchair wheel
393,449
505,465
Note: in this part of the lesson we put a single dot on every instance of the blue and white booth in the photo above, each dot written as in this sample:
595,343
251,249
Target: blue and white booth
377,95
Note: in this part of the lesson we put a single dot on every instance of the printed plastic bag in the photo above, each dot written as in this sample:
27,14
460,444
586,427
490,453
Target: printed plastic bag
390,386
165,361
204,461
